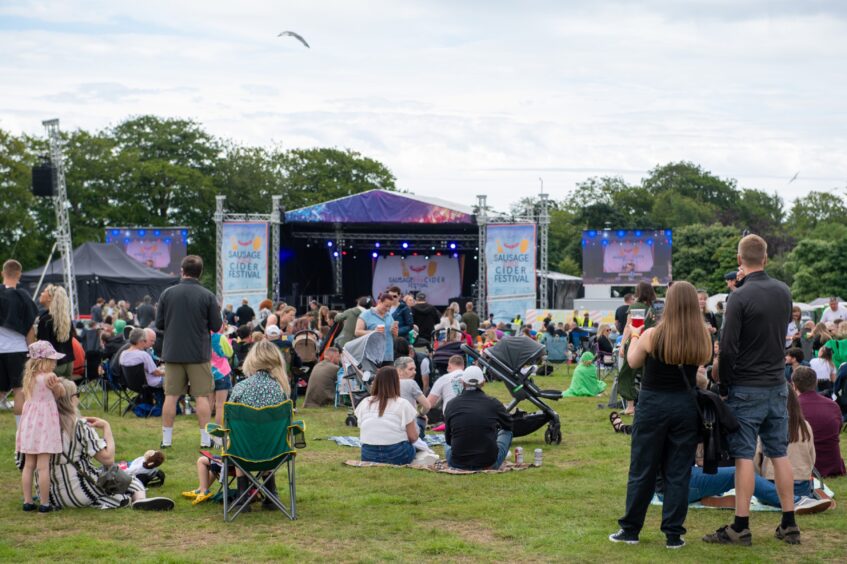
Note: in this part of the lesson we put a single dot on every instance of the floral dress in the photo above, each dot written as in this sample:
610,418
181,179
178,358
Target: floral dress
40,431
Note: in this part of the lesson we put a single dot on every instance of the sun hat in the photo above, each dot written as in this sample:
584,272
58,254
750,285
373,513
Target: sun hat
43,349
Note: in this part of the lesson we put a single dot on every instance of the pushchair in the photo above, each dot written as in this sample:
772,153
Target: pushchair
506,361
441,356
305,345
360,359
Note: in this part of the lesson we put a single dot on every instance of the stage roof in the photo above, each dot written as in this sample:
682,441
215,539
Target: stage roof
382,206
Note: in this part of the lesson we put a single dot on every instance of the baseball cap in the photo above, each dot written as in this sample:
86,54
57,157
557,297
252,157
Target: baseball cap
472,375
43,349
273,331
731,275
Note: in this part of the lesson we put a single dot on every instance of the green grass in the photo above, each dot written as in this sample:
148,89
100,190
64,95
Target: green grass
562,511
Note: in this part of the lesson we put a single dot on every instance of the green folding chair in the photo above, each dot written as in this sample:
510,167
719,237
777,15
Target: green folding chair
258,441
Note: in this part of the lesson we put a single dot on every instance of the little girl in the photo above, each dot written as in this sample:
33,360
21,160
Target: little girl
40,433
221,370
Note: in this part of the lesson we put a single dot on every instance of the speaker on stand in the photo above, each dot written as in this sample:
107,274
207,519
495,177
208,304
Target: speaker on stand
43,180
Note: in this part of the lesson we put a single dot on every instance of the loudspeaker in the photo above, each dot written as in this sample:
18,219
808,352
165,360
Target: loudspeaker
42,180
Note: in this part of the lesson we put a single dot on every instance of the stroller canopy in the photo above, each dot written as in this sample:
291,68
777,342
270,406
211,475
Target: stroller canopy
367,351
515,352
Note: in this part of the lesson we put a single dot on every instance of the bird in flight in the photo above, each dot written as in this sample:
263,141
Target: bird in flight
296,36
793,178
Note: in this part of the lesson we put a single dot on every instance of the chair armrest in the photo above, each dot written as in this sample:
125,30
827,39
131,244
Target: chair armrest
298,432
216,430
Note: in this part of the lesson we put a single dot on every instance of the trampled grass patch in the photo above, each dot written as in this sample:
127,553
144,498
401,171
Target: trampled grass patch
562,511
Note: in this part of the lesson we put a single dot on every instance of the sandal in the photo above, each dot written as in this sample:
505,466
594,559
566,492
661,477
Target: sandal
617,424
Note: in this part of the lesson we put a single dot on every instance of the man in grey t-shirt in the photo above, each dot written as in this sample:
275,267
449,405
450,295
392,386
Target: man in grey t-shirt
410,391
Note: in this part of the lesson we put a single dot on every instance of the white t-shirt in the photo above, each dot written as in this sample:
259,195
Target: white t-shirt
389,429
137,468
821,368
410,391
829,316
11,341
448,387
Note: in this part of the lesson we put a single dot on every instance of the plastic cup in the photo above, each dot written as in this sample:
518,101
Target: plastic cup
637,317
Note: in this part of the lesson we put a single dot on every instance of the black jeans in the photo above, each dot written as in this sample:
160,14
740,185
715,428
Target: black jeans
664,439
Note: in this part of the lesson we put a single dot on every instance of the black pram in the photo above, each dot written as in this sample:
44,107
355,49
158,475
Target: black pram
506,361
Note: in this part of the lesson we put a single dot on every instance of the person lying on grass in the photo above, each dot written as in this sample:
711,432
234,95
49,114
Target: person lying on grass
585,382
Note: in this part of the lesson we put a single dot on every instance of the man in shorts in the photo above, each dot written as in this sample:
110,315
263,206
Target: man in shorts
751,369
17,317
188,314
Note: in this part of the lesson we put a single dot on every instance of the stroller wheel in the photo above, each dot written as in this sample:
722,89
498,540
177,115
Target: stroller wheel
548,436
351,421
553,435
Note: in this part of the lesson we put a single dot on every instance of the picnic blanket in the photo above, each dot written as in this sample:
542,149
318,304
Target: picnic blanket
432,440
441,466
755,504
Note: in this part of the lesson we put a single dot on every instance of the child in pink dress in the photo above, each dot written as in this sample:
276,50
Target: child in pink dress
40,432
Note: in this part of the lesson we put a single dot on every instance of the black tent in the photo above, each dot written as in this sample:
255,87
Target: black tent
104,271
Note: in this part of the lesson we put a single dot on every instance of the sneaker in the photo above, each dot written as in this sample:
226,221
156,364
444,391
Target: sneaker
808,505
624,537
163,445
154,504
30,507
675,542
790,534
201,497
727,535
46,509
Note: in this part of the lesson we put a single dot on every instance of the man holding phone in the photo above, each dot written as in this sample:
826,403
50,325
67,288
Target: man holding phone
379,319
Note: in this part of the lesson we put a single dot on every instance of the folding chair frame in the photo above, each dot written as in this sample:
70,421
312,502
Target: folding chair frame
260,483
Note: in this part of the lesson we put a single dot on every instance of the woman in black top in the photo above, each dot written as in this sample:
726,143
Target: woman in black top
604,343
54,325
666,428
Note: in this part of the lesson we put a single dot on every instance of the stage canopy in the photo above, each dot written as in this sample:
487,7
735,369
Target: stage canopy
382,206
105,271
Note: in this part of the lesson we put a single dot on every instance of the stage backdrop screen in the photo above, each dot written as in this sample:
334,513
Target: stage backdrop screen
162,248
244,250
624,258
439,277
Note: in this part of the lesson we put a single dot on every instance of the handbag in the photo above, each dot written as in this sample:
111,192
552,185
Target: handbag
114,481
713,428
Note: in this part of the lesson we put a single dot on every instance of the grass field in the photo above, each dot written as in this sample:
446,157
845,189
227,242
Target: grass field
562,511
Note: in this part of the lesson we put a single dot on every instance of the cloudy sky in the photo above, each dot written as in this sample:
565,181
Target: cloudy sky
459,98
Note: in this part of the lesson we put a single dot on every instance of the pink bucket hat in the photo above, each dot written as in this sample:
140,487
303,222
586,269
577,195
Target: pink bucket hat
43,349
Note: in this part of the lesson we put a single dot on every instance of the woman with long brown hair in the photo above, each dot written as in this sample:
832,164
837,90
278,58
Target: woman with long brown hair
666,428
387,421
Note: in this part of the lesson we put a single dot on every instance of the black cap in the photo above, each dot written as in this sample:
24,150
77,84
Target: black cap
731,275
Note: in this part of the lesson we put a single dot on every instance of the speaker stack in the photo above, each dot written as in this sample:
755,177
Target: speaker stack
43,178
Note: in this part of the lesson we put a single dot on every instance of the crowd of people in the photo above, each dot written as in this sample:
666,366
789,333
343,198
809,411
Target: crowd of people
773,371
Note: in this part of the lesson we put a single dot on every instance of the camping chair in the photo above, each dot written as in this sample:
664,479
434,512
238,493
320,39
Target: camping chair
135,380
257,441
90,388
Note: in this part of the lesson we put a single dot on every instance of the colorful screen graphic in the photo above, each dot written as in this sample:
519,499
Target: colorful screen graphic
624,258
162,248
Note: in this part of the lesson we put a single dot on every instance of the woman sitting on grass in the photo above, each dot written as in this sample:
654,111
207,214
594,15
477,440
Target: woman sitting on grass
73,473
585,382
387,421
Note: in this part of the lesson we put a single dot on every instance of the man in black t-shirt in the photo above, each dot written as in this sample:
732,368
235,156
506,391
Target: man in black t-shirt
425,316
146,313
623,312
245,314
478,428
17,317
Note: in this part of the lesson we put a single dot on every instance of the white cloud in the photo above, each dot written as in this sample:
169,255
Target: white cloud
479,97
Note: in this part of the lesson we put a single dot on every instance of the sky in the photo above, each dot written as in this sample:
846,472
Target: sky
459,98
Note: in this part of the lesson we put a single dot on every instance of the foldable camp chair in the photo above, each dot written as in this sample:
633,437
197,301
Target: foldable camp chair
258,441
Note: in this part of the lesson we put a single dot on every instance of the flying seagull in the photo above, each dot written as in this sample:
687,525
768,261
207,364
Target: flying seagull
793,178
296,36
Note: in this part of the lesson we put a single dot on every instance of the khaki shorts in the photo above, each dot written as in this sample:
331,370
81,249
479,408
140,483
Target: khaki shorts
178,376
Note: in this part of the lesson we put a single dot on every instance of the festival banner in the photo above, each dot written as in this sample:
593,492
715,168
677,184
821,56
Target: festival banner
245,262
438,277
510,266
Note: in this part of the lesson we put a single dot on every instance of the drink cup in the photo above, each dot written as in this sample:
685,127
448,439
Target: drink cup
637,317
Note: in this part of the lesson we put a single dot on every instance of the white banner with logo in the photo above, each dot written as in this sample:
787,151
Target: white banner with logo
510,267
439,277
245,255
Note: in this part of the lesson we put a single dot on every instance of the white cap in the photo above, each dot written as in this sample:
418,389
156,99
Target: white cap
273,331
473,375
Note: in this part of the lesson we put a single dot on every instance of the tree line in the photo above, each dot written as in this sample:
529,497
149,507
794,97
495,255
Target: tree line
152,171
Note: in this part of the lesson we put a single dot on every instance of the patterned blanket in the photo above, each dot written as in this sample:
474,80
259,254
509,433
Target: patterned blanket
432,440
441,466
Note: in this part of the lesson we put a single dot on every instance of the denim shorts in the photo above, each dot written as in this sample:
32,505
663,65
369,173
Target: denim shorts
762,413
399,453
222,384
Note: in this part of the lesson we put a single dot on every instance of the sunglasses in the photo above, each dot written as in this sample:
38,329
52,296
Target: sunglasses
76,395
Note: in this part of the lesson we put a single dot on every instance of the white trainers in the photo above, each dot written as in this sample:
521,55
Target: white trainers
808,505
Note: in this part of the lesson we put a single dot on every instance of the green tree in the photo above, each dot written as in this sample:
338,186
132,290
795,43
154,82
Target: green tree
814,209
692,182
701,254
816,267
672,210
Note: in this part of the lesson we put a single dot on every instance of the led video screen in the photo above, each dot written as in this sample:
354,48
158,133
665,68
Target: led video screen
626,257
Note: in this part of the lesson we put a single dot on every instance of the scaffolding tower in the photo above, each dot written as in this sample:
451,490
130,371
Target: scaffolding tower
60,207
